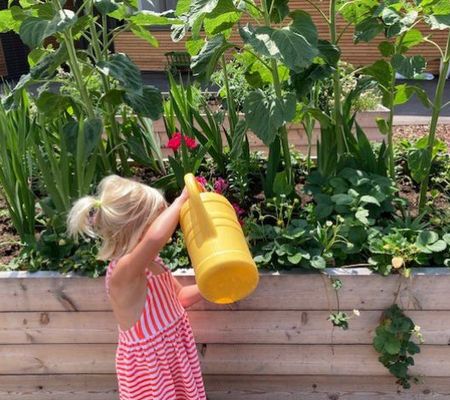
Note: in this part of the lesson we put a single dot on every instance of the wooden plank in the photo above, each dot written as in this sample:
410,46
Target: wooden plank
301,387
153,59
263,327
218,359
298,291
58,387
230,387
313,360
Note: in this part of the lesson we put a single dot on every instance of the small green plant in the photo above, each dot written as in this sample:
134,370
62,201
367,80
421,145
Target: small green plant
393,342
400,249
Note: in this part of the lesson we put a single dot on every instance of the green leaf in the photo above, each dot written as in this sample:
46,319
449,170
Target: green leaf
295,45
392,345
387,49
32,31
426,238
409,67
222,18
205,62
149,18
120,67
367,30
145,34
194,46
437,246
342,199
402,94
383,126
382,71
92,130
370,200
446,238
362,216
105,6
52,104
149,103
411,38
266,113
281,185
418,160
318,262
8,22
182,7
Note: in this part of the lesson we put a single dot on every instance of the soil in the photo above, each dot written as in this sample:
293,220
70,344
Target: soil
417,131
9,240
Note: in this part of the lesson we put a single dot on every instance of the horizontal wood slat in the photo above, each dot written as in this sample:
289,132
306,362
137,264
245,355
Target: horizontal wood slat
224,359
277,327
225,387
153,59
299,292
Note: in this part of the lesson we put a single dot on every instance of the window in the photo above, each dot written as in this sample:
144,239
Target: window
158,5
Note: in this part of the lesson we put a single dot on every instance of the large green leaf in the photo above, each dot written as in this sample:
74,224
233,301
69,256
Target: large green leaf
120,67
412,38
205,62
265,113
148,104
409,67
35,29
295,45
222,18
357,10
382,72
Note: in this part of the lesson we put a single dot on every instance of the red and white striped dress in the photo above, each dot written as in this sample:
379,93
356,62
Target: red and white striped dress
157,358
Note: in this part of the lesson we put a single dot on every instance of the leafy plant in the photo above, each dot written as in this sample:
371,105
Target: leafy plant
393,342
401,248
120,80
17,168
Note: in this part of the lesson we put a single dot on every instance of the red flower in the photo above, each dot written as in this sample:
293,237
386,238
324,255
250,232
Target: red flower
239,211
175,141
190,142
202,180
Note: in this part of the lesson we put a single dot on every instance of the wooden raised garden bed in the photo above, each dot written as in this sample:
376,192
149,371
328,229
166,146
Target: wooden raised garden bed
57,338
297,135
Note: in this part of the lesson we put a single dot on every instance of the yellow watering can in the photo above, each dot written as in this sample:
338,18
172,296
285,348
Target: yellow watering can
224,268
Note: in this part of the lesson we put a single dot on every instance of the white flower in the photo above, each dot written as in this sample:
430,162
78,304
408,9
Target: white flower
356,312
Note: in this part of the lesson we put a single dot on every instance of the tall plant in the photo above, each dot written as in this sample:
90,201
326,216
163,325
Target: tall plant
120,80
272,46
16,168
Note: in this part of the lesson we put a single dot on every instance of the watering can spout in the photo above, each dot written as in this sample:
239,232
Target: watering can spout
200,216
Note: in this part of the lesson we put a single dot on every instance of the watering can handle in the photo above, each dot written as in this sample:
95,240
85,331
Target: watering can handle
197,207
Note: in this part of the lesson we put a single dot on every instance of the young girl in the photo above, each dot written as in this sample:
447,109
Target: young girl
156,356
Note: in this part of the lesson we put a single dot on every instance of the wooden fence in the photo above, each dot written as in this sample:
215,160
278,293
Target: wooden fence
57,338
149,58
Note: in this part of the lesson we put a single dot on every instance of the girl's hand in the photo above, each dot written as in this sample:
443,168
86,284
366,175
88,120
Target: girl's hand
184,195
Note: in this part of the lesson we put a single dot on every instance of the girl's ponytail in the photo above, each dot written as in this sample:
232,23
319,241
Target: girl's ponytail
79,220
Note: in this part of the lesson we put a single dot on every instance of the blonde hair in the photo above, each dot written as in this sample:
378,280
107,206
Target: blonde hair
118,214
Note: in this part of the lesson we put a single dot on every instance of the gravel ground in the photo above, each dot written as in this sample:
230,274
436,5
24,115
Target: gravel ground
417,131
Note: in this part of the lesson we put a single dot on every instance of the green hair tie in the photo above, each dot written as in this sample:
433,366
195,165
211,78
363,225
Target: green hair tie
97,204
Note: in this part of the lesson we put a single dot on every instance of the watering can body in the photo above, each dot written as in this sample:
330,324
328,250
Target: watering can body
224,268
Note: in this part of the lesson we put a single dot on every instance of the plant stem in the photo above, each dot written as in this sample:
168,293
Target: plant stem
230,102
336,83
282,132
391,128
110,111
437,106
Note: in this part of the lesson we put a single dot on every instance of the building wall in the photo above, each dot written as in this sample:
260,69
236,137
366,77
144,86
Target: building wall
153,59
